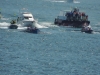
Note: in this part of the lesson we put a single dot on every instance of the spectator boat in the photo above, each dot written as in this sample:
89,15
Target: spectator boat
73,18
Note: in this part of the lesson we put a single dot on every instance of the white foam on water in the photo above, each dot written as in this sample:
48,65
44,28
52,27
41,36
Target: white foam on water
61,1
47,24
39,25
44,24
4,25
4,18
21,28
76,2
58,1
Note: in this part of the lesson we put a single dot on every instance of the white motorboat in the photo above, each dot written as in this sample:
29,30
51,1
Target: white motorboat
26,19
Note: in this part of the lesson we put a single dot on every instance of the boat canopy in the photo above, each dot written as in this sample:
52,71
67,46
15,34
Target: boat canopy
63,13
27,15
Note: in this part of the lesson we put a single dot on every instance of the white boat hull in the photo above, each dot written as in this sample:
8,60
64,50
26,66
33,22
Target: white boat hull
26,19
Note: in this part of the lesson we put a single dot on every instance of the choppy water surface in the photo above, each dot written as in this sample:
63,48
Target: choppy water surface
56,50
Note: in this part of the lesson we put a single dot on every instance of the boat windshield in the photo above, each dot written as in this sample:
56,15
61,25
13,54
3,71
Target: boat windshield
27,17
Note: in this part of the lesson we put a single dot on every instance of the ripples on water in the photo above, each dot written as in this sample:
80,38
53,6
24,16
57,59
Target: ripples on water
56,51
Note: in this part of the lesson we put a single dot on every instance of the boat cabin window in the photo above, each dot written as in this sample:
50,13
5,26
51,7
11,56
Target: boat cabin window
27,17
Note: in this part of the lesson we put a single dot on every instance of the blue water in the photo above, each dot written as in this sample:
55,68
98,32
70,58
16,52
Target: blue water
56,50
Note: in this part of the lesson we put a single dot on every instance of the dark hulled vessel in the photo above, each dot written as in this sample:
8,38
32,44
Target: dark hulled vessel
73,18
13,25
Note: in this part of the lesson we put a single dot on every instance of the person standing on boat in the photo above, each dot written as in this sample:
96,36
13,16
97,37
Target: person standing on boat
18,19
86,17
0,15
79,16
71,16
68,15
83,14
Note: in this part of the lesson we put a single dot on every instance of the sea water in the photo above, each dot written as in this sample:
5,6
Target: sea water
54,51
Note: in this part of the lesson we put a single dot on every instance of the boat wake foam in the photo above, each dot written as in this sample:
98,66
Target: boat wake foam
5,18
44,25
76,2
60,1
39,25
4,25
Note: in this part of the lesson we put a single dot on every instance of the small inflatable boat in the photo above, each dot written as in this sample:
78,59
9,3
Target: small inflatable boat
87,29
32,30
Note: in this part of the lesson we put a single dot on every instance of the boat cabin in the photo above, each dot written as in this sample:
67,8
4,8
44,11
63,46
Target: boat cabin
27,16
62,15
